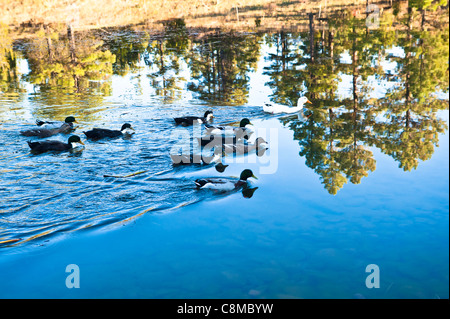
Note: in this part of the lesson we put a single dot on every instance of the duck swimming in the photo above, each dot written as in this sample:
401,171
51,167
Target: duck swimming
225,184
214,140
245,148
99,133
190,120
274,108
185,159
239,132
48,124
44,132
45,146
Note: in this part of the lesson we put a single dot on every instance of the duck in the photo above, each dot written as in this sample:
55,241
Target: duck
45,146
246,148
99,133
49,124
239,132
225,184
44,132
190,120
214,140
274,108
186,159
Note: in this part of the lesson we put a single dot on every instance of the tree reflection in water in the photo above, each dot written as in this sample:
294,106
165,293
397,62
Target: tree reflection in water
335,139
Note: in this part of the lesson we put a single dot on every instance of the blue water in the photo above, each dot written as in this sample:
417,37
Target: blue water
290,240
154,235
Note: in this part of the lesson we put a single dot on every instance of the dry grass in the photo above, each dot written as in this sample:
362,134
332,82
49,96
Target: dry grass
24,17
88,13
83,14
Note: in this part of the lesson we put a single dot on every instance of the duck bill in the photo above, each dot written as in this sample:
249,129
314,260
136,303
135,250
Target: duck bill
254,177
81,142
308,101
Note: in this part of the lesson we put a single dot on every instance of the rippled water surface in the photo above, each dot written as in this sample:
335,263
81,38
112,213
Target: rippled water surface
47,193
359,177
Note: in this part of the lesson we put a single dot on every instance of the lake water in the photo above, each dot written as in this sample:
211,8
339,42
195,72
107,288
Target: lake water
359,178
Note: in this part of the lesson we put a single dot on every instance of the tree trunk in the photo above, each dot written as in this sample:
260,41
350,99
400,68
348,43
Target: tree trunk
49,45
355,75
71,37
311,36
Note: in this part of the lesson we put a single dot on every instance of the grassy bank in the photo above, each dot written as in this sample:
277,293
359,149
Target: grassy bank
85,14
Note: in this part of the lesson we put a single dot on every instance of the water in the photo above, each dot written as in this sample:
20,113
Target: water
361,178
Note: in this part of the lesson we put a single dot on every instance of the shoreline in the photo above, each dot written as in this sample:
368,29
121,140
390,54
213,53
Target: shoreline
255,16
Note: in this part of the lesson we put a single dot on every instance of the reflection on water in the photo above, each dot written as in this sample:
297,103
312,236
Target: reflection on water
371,88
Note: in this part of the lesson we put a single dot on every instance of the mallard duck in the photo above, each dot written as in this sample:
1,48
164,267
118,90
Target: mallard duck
45,146
274,108
190,120
245,148
99,133
214,140
239,132
43,132
49,124
185,159
225,184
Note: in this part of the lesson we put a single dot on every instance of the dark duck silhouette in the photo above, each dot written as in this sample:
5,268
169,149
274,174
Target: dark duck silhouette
190,120
99,133
215,140
51,124
66,127
186,159
240,132
46,146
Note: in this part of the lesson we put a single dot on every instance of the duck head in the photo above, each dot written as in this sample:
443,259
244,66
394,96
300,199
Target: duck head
127,129
70,120
208,116
260,140
246,174
303,100
244,122
74,140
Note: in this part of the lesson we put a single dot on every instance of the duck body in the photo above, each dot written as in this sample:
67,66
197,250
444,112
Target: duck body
44,132
219,184
240,132
274,108
190,120
51,125
186,159
246,148
214,140
56,146
225,184
99,133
